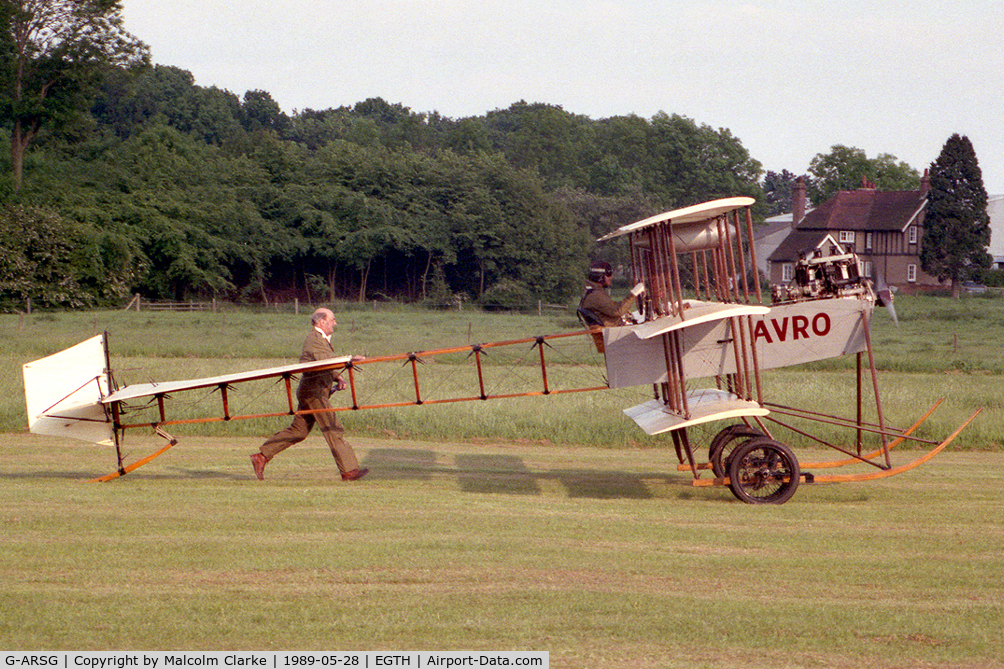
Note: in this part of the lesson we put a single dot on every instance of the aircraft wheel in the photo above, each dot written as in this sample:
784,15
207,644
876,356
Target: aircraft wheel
724,443
763,471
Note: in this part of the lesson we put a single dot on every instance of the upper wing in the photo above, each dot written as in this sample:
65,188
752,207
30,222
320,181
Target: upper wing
698,213
153,389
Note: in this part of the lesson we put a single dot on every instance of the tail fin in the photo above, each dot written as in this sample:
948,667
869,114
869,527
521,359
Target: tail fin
63,393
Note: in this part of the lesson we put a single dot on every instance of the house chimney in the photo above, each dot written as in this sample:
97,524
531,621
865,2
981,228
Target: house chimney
797,202
925,184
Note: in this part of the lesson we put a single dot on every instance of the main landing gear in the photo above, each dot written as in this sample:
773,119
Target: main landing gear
760,470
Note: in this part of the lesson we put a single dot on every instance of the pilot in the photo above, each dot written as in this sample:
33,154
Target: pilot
596,301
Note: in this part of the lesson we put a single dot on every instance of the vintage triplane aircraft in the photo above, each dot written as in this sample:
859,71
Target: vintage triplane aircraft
701,339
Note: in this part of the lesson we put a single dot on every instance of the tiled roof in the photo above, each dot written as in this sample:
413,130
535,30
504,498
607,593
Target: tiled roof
799,241
865,209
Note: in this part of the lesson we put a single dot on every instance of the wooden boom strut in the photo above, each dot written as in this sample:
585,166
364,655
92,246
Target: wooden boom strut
351,367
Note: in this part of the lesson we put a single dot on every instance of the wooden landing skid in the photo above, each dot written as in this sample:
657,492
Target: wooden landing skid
885,473
900,437
865,476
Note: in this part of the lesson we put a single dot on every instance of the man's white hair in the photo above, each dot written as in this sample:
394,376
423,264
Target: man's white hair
319,316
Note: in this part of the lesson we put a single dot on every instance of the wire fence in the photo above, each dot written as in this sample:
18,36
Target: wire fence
138,303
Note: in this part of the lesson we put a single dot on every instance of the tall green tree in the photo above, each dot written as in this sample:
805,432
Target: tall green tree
778,188
956,224
36,248
546,138
261,112
845,168
695,162
53,52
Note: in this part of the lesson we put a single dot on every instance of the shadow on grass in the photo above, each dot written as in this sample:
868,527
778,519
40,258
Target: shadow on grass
509,475
475,473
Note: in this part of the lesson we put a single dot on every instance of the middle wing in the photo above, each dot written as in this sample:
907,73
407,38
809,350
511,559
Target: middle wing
783,335
719,341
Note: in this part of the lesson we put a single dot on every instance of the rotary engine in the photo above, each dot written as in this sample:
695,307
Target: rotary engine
820,276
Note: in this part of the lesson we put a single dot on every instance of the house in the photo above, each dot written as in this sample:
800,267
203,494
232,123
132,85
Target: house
767,237
995,209
883,228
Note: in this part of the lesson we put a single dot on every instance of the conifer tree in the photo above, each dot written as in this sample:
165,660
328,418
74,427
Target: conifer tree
956,223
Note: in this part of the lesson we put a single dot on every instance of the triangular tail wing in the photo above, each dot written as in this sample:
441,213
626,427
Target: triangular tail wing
63,393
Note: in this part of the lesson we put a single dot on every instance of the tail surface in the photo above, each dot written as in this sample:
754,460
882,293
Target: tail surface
63,393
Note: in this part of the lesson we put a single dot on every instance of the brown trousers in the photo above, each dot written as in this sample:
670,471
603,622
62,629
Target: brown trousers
331,429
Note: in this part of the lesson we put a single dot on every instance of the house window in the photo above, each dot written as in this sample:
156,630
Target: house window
846,236
868,268
787,272
868,241
912,234
911,273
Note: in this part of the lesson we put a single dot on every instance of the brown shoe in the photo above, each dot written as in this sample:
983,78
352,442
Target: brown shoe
355,474
258,461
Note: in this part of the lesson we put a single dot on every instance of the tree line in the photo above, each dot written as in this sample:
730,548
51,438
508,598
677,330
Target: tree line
174,190
126,177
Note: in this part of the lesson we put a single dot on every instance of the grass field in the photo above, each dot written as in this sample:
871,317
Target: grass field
541,524
604,558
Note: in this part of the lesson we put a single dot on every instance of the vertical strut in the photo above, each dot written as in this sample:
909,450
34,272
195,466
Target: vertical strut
859,372
739,381
742,257
675,268
414,372
118,430
543,367
756,359
226,405
723,224
753,258
671,391
878,402
289,392
352,384
678,362
477,361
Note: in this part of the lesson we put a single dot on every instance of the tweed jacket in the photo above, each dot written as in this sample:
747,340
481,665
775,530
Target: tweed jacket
316,384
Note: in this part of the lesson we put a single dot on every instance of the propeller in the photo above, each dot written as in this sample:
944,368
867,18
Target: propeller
885,296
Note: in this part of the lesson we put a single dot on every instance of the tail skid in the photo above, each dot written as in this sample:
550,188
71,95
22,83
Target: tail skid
123,470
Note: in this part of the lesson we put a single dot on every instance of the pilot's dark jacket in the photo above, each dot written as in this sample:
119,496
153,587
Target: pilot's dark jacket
599,303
